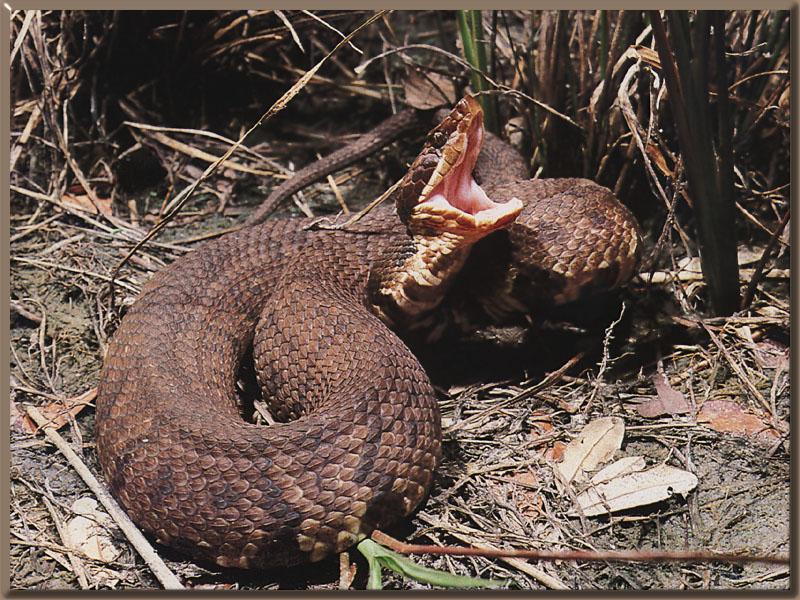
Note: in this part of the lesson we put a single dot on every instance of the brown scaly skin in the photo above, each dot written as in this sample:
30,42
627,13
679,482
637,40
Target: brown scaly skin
550,274
388,131
495,152
572,239
365,439
184,464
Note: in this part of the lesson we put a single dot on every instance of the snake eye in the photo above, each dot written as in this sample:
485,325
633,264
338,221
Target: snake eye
439,139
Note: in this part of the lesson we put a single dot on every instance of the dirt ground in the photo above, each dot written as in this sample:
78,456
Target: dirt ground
708,396
496,483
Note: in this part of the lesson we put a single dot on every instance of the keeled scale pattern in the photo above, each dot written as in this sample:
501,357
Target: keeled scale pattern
572,239
186,466
191,471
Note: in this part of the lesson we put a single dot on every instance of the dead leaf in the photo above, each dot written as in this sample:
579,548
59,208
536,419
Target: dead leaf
526,478
515,131
785,100
86,531
595,445
528,501
772,354
728,417
595,97
429,90
541,423
192,171
655,154
635,489
623,466
648,55
556,453
772,312
690,264
83,203
213,586
668,400
58,413
17,418
748,256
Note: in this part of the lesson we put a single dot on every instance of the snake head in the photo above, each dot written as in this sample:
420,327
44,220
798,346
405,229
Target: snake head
445,211
439,194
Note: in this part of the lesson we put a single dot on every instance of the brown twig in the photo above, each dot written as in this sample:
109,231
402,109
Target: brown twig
683,556
138,541
75,562
738,371
547,580
762,262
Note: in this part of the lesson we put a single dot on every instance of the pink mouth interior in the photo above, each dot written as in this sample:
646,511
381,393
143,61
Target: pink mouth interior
459,190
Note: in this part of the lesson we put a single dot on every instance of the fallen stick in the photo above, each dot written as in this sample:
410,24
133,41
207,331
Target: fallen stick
161,571
686,275
585,555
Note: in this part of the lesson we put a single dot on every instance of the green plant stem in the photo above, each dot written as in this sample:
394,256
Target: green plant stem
474,42
379,557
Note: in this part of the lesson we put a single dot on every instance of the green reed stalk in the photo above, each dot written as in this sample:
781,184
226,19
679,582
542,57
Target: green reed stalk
475,45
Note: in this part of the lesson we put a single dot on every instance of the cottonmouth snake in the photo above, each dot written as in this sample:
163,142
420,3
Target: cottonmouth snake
359,435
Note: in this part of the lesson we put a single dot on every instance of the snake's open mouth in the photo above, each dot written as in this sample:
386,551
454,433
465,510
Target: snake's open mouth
452,199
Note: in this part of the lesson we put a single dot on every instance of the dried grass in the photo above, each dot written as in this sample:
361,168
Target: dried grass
585,90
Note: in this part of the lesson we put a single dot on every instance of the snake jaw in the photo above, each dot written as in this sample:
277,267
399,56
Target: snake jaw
446,213
451,200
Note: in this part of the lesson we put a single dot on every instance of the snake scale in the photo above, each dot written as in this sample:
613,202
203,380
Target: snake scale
358,436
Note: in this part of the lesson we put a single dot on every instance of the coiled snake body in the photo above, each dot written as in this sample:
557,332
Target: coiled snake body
359,436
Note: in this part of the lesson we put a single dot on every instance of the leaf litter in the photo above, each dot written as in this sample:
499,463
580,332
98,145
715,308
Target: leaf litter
496,486
621,485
